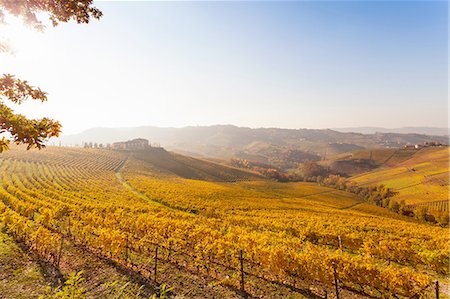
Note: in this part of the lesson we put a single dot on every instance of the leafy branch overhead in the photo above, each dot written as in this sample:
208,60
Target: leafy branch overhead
16,127
23,130
59,11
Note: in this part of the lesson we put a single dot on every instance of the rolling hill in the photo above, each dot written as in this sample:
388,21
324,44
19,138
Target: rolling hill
283,148
168,163
134,220
418,176
404,130
361,161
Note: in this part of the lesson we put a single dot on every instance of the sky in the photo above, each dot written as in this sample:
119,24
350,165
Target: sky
257,64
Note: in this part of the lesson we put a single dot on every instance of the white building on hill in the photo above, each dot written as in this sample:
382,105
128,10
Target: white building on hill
135,144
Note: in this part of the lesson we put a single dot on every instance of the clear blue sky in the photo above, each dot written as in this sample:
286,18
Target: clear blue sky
257,64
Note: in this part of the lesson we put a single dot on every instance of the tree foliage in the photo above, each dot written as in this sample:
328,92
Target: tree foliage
16,127
312,169
58,10
23,130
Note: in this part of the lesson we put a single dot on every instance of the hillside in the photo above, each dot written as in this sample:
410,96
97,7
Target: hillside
122,213
362,161
419,176
164,162
284,148
404,130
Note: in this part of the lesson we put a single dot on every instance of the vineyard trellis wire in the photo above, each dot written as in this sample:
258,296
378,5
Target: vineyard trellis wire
170,256
438,205
37,214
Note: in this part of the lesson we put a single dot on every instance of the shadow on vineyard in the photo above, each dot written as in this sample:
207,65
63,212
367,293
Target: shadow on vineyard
119,217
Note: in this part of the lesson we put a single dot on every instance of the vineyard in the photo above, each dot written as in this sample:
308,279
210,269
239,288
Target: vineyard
233,227
420,180
386,156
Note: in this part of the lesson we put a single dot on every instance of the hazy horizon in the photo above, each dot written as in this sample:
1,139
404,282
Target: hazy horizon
251,64
257,127
250,127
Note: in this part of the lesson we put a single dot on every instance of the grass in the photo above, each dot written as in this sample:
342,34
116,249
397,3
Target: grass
20,276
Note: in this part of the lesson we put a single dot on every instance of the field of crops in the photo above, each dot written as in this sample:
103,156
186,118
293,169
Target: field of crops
422,178
386,156
123,207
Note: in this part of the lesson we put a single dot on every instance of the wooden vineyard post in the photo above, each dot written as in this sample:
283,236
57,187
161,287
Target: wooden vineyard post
336,280
69,230
437,289
326,294
60,251
340,242
169,251
156,263
126,249
241,260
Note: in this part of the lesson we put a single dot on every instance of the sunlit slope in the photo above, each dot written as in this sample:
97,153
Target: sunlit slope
94,159
168,163
362,161
422,177
386,156
122,207
204,198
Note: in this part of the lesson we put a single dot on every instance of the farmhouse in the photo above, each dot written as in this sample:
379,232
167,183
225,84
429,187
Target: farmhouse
139,143
425,144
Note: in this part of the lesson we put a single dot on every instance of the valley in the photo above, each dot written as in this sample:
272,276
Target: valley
213,223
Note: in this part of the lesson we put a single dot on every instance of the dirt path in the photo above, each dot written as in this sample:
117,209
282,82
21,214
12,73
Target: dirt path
137,192
351,206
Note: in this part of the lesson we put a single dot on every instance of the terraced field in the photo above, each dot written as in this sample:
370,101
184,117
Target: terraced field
131,211
420,177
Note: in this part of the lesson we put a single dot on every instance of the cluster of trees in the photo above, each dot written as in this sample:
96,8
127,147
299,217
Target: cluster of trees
379,195
440,217
309,171
266,170
286,159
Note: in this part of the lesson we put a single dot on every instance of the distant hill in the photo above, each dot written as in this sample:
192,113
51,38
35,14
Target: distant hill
284,148
404,130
